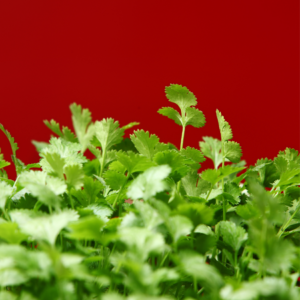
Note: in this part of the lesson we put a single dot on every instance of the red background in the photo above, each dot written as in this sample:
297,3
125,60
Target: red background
116,57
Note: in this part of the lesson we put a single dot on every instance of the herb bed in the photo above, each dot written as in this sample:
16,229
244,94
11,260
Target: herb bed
142,221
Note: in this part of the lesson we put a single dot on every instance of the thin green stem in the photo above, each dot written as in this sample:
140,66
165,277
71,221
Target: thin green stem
71,200
224,208
284,227
209,193
117,198
201,290
102,161
163,260
6,214
195,284
37,205
181,146
182,137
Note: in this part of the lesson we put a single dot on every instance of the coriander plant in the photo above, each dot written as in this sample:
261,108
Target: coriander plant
142,221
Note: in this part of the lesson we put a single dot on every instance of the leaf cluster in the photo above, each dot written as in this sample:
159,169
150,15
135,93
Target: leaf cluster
139,221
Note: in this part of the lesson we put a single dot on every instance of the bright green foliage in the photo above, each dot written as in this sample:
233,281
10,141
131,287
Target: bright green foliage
114,179
231,150
108,133
149,183
44,187
198,213
81,121
141,242
176,161
74,175
194,117
5,192
11,233
60,154
144,143
179,226
42,226
14,148
139,222
19,265
211,148
3,163
213,176
225,129
172,114
195,155
65,134
88,228
130,125
233,235
134,162
193,265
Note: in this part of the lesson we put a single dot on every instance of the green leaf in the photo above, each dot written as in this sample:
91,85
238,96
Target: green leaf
232,151
194,185
13,145
5,193
56,185
53,164
233,235
114,179
54,126
144,143
19,265
212,148
125,145
291,155
134,162
151,218
68,135
101,210
3,163
108,133
210,175
172,114
92,188
75,176
149,183
176,161
87,228
194,117
225,129
44,187
213,176
44,194
41,226
267,171
193,265
233,190
181,96
281,164
11,233
141,241
81,119
193,154
39,146
130,125
198,213
179,226
59,154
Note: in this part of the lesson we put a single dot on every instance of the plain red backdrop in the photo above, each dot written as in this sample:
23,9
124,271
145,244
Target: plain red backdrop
116,57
